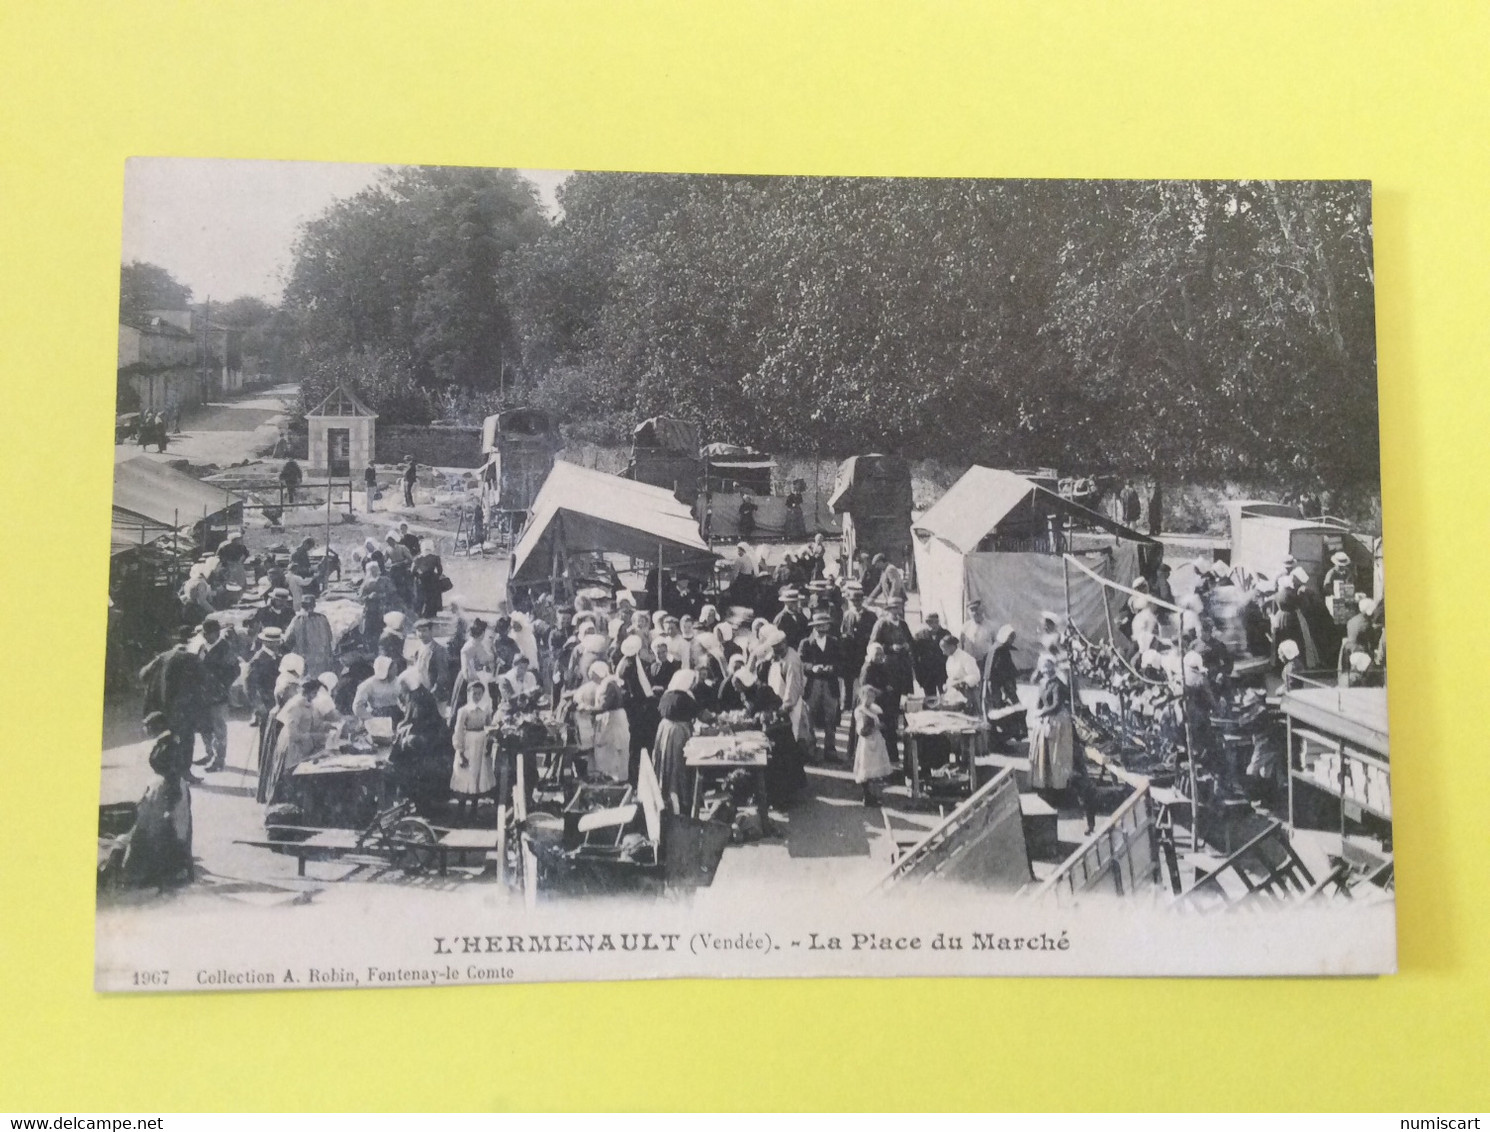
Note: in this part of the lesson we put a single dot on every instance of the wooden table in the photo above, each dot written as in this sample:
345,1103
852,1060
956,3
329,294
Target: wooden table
338,788
722,754
967,735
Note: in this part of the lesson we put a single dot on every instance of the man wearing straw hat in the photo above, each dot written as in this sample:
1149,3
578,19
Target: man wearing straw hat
822,659
791,620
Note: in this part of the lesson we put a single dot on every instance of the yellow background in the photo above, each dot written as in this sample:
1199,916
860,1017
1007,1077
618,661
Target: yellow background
1394,92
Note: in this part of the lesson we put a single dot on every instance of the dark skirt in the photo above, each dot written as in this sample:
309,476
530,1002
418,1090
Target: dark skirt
786,768
430,596
159,850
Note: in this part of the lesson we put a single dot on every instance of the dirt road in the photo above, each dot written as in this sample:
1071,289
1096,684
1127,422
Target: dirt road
225,432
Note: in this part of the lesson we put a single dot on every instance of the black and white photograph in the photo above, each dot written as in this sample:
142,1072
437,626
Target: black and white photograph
562,575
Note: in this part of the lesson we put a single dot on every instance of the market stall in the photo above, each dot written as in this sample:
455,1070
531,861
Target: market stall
963,736
580,514
1000,538
712,757
1339,772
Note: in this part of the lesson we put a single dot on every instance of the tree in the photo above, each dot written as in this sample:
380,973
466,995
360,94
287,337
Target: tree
265,331
418,265
144,287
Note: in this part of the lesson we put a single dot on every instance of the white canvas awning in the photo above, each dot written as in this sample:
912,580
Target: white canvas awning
148,493
582,511
975,506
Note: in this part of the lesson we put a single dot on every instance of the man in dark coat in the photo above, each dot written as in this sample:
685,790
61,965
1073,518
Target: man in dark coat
892,633
854,629
174,687
822,661
791,620
220,669
278,613
928,661
410,477
290,478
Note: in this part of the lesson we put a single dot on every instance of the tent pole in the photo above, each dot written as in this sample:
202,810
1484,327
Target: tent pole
659,575
1112,643
1066,581
553,588
1190,760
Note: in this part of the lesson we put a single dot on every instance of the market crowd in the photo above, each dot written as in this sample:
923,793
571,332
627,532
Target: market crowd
792,650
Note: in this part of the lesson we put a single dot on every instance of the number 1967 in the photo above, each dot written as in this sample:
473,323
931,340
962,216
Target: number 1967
151,978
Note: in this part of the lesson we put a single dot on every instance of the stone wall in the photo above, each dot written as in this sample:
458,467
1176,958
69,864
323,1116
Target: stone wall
444,446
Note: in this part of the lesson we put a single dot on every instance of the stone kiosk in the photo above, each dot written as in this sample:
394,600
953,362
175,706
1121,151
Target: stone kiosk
341,435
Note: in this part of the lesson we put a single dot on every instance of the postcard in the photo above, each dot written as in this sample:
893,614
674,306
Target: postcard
566,575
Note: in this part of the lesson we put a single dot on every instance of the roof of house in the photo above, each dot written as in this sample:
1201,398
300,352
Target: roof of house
582,510
158,326
342,402
975,505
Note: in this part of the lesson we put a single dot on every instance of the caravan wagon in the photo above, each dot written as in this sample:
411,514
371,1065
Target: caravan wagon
1264,533
520,446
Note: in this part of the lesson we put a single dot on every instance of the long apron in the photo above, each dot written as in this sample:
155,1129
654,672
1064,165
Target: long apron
1052,751
613,744
479,775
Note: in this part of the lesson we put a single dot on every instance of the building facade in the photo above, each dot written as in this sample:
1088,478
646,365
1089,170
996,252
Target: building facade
341,435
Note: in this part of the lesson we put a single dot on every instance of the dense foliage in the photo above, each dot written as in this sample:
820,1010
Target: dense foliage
144,287
1193,328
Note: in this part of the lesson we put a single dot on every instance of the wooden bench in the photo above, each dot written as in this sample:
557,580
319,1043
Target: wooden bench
341,844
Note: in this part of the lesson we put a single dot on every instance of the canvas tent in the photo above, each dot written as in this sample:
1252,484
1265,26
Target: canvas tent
999,537
873,495
151,499
584,512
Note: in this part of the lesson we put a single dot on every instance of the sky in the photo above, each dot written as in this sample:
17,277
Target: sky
225,228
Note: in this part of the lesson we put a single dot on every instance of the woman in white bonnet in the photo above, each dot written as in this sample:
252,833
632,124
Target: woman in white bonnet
601,721
678,709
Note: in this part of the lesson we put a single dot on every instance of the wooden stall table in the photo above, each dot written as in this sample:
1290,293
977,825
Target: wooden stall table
342,789
721,754
967,735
